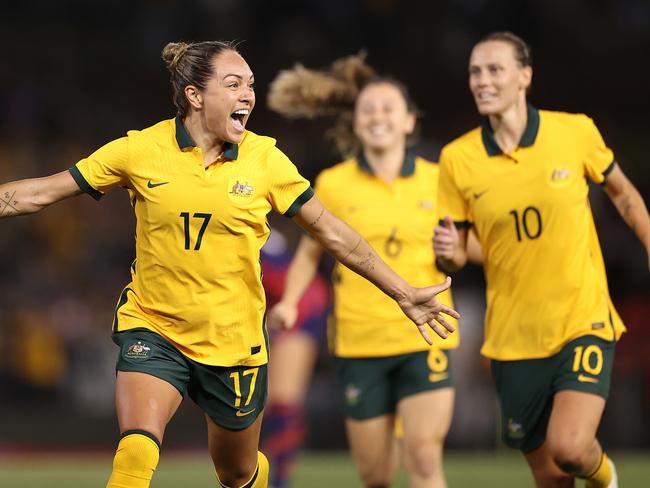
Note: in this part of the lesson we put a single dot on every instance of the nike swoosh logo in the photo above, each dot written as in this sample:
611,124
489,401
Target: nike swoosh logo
154,185
587,379
480,194
239,413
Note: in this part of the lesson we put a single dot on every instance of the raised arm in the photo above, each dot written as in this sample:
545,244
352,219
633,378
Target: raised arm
630,205
24,197
299,275
350,249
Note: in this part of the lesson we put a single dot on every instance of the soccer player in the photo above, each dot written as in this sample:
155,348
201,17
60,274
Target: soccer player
550,330
390,196
192,318
295,352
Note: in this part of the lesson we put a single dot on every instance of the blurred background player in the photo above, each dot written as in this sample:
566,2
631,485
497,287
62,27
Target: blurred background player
294,354
520,180
390,196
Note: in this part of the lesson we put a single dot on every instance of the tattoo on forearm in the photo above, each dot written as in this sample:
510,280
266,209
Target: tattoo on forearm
368,262
7,201
322,211
353,249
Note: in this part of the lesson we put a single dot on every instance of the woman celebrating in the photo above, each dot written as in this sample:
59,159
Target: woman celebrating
550,328
388,195
192,318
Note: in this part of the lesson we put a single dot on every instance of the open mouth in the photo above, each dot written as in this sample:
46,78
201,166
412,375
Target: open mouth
239,119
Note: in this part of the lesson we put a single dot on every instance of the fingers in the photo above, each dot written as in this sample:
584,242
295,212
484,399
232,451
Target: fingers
442,286
449,311
442,321
449,224
282,318
438,330
445,239
441,234
425,334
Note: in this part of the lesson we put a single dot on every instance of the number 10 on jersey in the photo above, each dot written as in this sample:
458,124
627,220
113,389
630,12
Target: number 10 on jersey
530,221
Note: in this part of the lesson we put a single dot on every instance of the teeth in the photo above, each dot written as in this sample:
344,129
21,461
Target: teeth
378,130
243,111
485,96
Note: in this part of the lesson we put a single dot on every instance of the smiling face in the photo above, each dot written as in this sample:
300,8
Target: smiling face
381,117
496,79
228,98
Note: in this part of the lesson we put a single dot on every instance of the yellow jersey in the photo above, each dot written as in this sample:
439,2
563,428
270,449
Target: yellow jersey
397,219
546,282
196,279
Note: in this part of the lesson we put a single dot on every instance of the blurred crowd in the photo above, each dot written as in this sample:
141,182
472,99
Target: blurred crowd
78,74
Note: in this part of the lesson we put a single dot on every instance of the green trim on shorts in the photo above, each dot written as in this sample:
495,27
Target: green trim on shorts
372,387
526,387
232,396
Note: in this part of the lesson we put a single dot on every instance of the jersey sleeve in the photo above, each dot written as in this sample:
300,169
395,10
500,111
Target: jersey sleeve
324,191
599,159
450,199
104,169
288,190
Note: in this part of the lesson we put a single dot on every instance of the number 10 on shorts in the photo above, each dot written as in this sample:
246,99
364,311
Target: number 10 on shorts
582,356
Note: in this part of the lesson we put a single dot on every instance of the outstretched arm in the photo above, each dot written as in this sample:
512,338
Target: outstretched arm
349,248
29,196
299,275
630,205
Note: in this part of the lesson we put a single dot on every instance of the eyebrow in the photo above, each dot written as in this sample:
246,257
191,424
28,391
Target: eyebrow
236,76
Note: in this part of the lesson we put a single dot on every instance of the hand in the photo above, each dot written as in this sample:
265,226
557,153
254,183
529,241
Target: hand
445,239
424,309
282,316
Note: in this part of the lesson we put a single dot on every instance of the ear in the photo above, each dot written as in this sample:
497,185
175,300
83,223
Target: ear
411,120
526,77
194,97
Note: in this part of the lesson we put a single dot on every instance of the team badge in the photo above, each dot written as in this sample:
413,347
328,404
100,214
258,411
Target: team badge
240,189
515,430
560,177
352,395
138,350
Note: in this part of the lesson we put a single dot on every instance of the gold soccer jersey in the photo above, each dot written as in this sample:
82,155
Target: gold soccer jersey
546,283
397,219
196,278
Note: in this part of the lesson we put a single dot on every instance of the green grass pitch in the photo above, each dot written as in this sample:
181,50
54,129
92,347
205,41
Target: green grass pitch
503,470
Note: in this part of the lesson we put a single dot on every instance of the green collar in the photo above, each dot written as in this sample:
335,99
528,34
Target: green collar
527,138
184,140
408,166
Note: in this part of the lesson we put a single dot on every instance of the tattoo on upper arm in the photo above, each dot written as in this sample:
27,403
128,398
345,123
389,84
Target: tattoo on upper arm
7,201
322,211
